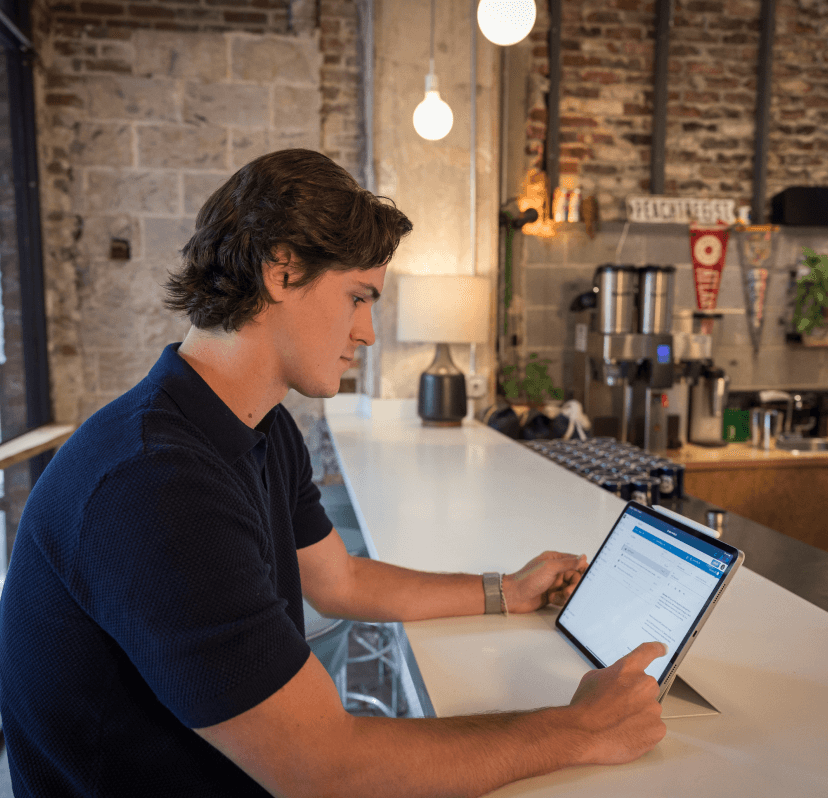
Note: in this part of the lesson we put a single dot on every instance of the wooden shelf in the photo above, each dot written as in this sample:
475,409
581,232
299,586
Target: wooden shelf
33,442
740,456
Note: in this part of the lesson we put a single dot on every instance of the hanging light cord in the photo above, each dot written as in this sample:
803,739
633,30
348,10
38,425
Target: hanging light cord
431,49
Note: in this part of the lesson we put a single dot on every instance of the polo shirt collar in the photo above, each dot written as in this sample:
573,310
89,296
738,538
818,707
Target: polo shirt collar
200,405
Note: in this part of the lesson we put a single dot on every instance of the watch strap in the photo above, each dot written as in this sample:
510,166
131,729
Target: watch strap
491,590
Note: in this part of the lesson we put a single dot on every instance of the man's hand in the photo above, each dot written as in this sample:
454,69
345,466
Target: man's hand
549,578
617,714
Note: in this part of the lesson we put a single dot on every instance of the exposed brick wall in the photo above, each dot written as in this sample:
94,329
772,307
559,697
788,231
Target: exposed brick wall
606,94
607,51
711,110
799,107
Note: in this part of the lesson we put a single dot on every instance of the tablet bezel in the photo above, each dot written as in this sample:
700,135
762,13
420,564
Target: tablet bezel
682,649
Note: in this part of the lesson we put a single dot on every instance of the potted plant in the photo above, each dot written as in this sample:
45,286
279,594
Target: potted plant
811,309
532,385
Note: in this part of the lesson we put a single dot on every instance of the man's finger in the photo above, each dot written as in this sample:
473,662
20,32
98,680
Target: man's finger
569,563
642,656
558,555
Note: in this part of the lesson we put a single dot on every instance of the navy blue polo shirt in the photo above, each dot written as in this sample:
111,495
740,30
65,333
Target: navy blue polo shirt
154,588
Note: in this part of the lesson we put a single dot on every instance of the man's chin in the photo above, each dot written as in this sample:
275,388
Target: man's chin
318,393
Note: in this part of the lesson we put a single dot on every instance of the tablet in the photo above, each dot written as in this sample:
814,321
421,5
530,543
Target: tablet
655,577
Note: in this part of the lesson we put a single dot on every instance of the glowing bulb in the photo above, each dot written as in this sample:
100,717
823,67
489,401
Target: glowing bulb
506,22
433,117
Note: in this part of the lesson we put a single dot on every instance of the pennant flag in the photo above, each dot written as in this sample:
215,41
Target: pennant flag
756,245
708,247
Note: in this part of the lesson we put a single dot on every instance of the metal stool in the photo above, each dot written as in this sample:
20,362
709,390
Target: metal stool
379,641
328,639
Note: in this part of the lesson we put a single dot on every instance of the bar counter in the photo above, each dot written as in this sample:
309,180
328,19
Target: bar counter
783,490
470,499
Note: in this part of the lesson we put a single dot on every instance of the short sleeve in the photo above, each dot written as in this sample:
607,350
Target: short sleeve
174,563
310,521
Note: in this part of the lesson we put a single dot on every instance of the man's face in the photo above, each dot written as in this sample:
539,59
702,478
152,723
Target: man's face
316,330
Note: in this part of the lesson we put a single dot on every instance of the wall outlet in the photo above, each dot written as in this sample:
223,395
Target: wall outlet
476,386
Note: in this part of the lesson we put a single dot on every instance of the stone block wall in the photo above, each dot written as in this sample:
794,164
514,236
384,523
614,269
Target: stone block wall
552,272
143,110
607,51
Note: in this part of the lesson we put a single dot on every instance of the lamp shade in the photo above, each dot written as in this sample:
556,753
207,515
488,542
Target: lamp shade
451,309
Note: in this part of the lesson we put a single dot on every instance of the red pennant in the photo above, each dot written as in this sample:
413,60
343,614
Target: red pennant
708,247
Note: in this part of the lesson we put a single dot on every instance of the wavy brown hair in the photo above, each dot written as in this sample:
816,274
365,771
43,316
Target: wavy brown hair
296,198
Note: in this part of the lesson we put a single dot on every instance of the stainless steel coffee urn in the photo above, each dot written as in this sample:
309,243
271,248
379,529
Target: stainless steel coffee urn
655,299
708,398
615,289
624,356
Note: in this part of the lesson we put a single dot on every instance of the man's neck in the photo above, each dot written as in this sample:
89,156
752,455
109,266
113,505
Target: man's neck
234,366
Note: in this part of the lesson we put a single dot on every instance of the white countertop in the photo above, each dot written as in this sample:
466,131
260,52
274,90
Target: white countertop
470,499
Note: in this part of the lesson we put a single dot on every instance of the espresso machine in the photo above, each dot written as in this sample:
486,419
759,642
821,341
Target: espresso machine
623,359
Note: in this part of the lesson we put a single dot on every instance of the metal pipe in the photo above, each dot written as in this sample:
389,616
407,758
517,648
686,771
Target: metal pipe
366,7
504,239
763,101
23,40
30,246
473,141
367,26
648,417
626,415
504,122
553,117
664,21
473,163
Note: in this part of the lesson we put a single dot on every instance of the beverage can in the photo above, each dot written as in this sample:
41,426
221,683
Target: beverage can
645,490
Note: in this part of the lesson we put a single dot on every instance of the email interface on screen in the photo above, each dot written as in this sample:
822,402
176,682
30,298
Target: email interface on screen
650,581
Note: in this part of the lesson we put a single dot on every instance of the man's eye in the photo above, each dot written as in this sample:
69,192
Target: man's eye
358,299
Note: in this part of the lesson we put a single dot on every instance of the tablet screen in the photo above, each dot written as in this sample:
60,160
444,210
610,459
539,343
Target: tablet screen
651,580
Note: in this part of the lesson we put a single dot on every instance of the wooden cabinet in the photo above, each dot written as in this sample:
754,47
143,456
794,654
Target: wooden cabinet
790,497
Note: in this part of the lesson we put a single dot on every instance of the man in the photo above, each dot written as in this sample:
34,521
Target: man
151,629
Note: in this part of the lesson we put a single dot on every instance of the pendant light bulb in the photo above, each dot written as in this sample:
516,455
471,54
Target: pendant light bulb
506,22
433,117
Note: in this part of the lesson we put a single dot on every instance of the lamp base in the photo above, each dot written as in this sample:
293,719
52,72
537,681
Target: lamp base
427,423
441,401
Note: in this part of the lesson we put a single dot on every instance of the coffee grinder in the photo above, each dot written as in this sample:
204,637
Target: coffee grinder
623,359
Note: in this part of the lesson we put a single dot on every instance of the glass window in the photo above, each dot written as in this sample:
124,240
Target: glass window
24,399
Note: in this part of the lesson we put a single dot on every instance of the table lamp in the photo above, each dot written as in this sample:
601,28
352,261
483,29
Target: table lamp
442,309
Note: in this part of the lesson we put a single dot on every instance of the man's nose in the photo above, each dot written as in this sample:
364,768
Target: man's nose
363,331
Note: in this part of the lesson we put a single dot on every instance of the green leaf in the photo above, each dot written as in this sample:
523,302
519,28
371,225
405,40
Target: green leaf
811,293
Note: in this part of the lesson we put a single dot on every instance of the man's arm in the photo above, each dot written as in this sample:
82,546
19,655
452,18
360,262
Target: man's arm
301,742
359,588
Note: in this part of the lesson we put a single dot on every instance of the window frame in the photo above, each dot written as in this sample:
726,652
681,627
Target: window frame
15,27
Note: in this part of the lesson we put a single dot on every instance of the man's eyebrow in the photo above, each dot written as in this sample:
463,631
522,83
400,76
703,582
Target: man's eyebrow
375,295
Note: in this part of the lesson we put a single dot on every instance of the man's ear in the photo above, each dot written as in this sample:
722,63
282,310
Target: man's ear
278,273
